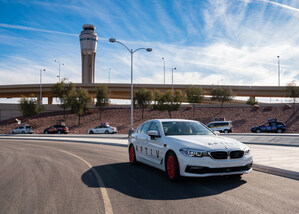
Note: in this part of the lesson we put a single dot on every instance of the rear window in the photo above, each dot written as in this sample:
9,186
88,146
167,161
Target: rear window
28,127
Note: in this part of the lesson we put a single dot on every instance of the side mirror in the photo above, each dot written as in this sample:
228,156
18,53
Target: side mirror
131,131
217,132
153,134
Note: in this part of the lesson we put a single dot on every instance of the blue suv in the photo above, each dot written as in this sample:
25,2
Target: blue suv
271,126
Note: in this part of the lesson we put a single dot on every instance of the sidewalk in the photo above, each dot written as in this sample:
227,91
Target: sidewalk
273,158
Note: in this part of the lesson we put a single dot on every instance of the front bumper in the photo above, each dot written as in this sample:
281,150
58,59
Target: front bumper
206,166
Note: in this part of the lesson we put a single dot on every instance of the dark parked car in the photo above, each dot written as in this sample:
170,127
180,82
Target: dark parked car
57,129
271,126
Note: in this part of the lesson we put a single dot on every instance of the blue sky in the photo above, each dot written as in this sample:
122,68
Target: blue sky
234,42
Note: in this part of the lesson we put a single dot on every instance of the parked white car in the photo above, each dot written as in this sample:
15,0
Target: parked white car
22,130
187,148
221,126
103,129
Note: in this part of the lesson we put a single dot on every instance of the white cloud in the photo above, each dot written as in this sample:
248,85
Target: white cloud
281,5
19,27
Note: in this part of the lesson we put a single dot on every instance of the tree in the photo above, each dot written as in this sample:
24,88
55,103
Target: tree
292,91
29,107
79,101
62,91
143,99
251,101
168,101
221,94
195,96
102,98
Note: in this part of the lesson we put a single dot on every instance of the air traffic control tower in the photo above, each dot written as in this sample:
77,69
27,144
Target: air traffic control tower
88,43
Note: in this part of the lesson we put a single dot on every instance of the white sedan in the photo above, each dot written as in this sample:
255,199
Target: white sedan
103,129
187,148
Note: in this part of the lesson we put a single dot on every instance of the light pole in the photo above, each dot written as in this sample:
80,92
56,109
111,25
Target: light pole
109,75
164,68
132,52
278,71
40,86
58,68
172,77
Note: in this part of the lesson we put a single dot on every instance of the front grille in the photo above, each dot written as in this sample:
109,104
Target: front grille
236,154
203,170
219,155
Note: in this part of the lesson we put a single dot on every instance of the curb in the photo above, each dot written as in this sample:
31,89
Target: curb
276,171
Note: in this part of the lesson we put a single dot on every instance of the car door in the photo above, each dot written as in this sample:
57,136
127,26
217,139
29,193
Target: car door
96,130
51,129
268,127
19,130
156,147
142,139
102,129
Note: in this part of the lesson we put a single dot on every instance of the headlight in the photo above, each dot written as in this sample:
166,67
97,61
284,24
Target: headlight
247,152
193,153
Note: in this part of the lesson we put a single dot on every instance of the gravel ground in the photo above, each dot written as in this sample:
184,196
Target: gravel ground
243,118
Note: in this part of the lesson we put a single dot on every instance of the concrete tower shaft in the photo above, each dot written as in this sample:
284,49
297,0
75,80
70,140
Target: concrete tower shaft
88,43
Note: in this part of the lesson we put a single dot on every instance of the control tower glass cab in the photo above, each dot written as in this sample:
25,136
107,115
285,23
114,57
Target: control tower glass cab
88,43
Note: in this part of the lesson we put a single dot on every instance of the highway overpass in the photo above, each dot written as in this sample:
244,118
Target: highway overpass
122,90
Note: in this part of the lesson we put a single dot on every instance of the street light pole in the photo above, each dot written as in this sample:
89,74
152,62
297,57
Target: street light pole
109,75
58,68
40,87
131,52
278,71
172,77
164,68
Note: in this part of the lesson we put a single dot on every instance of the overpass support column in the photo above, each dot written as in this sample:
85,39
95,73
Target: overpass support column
92,101
50,100
253,98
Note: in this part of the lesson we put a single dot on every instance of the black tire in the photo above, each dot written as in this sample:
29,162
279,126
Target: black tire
23,132
258,131
13,132
91,132
106,132
172,166
279,131
46,132
132,155
226,131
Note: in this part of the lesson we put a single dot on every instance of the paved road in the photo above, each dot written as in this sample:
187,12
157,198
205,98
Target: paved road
56,177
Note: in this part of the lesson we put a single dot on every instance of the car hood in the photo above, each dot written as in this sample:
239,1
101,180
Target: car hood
205,142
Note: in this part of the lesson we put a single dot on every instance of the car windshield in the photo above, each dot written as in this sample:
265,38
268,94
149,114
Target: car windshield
185,128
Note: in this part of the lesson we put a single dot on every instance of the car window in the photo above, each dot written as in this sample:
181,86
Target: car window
211,125
154,127
139,129
185,128
145,127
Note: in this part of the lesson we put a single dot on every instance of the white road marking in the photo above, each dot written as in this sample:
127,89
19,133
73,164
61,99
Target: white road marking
107,203
106,200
